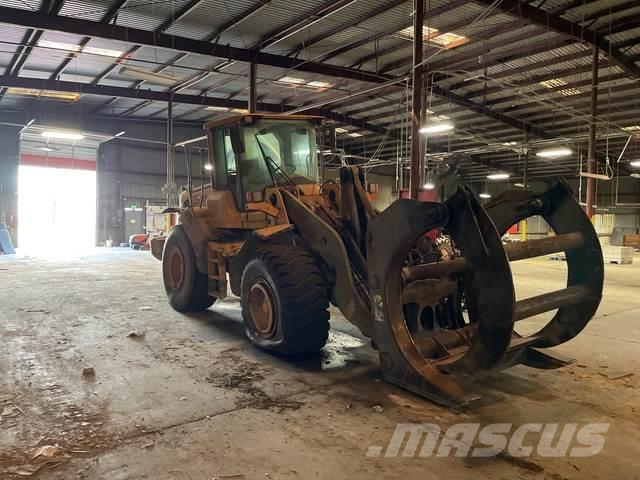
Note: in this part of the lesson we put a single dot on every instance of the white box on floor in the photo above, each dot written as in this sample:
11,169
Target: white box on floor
614,254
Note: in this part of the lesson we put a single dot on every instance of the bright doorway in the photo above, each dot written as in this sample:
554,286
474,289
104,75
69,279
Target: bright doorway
56,209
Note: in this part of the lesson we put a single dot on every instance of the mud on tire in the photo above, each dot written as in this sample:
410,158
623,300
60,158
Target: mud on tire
285,301
186,286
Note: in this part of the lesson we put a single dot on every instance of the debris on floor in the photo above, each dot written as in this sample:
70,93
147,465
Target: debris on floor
616,374
88,372
377,408
136,334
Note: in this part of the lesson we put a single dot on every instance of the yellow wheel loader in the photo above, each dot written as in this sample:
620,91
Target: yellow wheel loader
439,313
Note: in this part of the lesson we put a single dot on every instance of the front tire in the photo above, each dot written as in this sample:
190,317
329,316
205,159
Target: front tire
285,301
186,286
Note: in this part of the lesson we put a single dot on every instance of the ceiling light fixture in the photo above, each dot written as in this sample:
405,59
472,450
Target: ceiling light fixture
485,195
213,108
429,185
355,134
119,134
106,52
437,128
294,80
47,149
62,135
32,92
635,163
208,166
555,152
498,176
148,75
635,175
341,130
318,84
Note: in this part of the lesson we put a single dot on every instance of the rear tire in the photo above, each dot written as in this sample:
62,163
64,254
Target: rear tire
186,286
285,301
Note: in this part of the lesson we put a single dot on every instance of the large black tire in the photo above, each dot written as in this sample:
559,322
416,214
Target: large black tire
186,286
294,319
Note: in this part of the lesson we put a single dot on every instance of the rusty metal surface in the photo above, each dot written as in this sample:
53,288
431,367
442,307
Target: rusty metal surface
585,264
544,246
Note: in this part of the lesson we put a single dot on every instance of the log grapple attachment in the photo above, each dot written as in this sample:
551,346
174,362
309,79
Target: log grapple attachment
438,324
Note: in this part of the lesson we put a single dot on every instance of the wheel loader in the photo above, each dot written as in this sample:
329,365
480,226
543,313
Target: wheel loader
439,312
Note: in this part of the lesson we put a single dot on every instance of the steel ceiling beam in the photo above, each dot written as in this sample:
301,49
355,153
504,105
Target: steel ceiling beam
142,37
149,96
109,15
566,27
31,38
78,26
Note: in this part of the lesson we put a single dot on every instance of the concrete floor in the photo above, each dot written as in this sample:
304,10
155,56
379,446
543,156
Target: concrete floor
192,399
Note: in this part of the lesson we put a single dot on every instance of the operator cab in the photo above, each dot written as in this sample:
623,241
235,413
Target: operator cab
252,152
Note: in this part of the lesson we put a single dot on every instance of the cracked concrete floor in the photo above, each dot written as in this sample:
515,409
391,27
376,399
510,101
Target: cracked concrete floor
191,399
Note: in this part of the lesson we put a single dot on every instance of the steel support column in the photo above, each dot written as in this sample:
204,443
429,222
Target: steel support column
591,162
170,165
253,97
416,98
525,186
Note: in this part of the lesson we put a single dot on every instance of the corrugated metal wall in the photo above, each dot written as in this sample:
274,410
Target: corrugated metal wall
134,174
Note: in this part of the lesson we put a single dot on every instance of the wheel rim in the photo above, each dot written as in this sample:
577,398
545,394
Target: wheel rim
176,268
261,308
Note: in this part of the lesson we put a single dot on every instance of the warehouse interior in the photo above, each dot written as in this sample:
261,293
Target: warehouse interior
513,126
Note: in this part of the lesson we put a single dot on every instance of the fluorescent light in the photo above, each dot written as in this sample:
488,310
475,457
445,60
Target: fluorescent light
77,48
554,152
635,175
148,75
635,163
509,144
498,176
208,166
341,130
239,110
217,109
119,134
519,185
318,84
485,195
59,46
631,128
355,134
47,149
62,135
429,185
294,80
105,52
437,128
32,92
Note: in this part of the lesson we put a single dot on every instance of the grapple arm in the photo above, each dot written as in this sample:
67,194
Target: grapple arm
437,363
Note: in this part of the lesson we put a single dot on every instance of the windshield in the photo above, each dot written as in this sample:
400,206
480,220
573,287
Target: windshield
279,151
